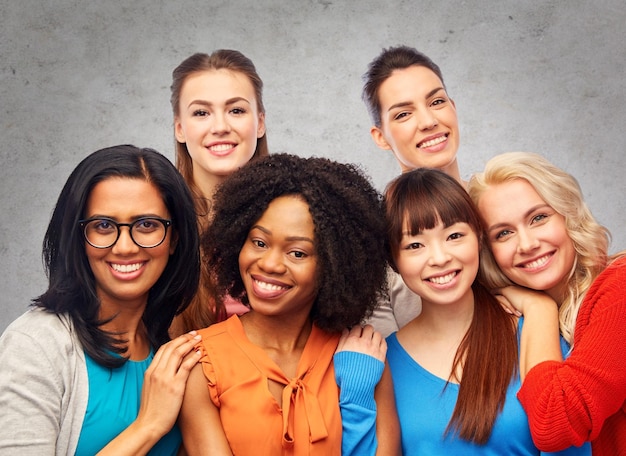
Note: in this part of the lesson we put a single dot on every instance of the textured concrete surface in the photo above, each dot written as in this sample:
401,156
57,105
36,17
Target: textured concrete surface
76,76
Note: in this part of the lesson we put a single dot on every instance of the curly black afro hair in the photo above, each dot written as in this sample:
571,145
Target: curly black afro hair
349,231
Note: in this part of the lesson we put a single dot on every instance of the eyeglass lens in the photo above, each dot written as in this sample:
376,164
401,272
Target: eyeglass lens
146,232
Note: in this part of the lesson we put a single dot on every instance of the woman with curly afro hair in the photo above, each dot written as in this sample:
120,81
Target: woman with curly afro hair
301,241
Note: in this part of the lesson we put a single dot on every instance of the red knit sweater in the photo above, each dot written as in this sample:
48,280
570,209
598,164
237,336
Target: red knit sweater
584,397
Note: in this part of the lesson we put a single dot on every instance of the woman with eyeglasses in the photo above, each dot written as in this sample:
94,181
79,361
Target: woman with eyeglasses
90,368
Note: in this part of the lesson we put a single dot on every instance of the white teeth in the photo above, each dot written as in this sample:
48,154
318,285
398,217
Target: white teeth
538,262
269,286
126,267
442,280
433,142
221,147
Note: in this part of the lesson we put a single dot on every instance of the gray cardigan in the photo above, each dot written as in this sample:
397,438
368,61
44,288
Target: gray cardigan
43,386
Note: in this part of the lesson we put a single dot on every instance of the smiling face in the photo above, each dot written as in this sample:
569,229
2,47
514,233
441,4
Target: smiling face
440,264
125,272
418,121
219,121
278,259
528,238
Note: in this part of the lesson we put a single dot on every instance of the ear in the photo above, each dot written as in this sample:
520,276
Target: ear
260,131
178,130
379,138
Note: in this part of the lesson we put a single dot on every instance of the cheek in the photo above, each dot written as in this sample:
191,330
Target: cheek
502,254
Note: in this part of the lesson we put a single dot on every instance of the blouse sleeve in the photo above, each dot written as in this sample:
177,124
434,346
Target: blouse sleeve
568,402
357,375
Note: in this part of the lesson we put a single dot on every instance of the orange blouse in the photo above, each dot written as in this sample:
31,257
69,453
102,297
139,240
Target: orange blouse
238,371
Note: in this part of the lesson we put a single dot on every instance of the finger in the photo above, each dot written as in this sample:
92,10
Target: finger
188,363
367,331
171,354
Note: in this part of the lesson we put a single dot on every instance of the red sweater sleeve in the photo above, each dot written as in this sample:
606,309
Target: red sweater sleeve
568,402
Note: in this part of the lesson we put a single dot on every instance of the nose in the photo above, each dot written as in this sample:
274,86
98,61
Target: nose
526,241
426,119
219,124
271,262
125,243
439,255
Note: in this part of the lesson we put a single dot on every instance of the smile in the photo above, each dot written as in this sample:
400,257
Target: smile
537,263
269,286
125,268
442,280
220,147
432,142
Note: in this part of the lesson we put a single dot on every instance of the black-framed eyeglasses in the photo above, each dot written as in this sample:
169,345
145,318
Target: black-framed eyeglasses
146,232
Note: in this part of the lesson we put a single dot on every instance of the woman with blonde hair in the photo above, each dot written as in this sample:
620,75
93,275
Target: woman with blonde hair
543,238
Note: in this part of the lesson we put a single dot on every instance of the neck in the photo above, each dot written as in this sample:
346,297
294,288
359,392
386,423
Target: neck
207,183
126,320
447,320
275,333
452,170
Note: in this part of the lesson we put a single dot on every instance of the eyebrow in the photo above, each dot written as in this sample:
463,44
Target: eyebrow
228,102
526,214
289,238
402,104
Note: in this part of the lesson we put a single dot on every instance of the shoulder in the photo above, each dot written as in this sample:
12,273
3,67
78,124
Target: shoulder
51,333
612,278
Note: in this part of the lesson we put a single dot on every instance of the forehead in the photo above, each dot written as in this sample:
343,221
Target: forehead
408,83
508,200
206,83
122,196
288,216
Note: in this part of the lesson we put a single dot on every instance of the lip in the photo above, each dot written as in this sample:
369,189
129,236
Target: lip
266,288
130,274
447,285
219,149
435,147
536,264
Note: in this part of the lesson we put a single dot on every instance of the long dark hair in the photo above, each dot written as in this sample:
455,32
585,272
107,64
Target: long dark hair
72,288
488,351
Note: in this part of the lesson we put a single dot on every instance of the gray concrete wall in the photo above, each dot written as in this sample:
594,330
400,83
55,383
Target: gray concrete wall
77,76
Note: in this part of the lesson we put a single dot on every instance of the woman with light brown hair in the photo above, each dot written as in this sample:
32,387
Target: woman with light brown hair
219,126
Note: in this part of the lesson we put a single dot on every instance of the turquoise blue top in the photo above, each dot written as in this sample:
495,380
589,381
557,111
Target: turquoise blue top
425,405
113,404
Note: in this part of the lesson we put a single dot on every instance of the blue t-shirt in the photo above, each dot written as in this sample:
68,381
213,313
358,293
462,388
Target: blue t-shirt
113,404
425,404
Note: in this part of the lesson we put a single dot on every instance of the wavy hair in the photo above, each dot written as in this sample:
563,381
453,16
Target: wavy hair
72,286
561,191
348,223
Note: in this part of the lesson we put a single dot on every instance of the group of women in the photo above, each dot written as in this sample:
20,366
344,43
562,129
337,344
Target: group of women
220,308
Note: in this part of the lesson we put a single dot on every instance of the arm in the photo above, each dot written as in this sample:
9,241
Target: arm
161,397
540,339
359,364
387,423
199,419
31,394
568,402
